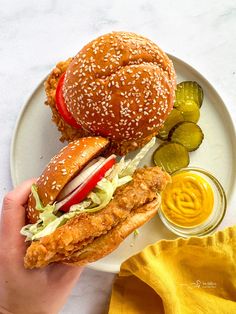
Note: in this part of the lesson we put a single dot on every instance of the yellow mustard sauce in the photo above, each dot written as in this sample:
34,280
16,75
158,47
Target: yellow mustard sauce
188,201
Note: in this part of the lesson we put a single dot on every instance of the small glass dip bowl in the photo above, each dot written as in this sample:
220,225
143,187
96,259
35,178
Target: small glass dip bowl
216,216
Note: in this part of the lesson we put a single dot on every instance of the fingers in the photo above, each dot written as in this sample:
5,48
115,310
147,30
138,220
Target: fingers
18,196
13,211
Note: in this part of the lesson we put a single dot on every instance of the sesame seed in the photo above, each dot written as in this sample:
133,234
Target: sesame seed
138,82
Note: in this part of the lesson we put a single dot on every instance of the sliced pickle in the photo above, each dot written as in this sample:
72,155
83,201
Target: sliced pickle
189,110
174,117
171,156
188,134
188,90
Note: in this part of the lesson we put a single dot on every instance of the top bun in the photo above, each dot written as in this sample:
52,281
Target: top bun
62,168
121,86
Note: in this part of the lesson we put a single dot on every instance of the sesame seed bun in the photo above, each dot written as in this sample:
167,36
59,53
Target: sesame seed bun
62,168
121,86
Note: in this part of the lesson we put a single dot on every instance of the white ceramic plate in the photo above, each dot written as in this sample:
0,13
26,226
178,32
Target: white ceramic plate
36,140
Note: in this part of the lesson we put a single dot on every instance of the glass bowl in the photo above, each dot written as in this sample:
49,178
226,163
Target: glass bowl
215,218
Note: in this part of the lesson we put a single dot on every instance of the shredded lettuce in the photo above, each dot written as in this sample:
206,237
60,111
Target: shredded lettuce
133,164
38,202
97,199
117,169
46,217
136,232
104,192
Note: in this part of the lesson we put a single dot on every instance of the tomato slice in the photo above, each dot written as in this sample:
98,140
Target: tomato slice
61,105
85,188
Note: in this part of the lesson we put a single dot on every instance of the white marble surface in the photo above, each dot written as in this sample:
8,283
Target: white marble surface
34,35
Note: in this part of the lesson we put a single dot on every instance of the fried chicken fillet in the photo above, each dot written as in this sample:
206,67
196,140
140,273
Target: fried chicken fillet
90,236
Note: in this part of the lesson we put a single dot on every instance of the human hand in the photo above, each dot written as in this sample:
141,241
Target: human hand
28,291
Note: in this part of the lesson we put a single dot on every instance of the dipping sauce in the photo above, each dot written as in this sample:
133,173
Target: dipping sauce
188,201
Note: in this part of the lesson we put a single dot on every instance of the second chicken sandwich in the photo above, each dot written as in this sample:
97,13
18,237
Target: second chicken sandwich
120,86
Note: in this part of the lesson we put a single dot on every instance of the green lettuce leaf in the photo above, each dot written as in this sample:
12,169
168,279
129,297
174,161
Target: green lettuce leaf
38,202
133,164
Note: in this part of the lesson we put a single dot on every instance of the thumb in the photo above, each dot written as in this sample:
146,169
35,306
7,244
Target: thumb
13,212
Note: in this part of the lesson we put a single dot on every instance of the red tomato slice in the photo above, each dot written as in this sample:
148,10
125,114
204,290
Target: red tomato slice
88,186
61,106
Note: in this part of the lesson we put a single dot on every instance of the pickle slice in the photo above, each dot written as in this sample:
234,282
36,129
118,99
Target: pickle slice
188,90
174,117
171,156
188,134
189,110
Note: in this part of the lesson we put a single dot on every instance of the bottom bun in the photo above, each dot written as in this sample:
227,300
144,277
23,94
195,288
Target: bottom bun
108,242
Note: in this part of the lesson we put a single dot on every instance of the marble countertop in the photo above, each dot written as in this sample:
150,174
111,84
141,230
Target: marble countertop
36,34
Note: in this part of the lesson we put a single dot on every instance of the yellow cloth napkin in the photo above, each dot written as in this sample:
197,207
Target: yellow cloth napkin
183,276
